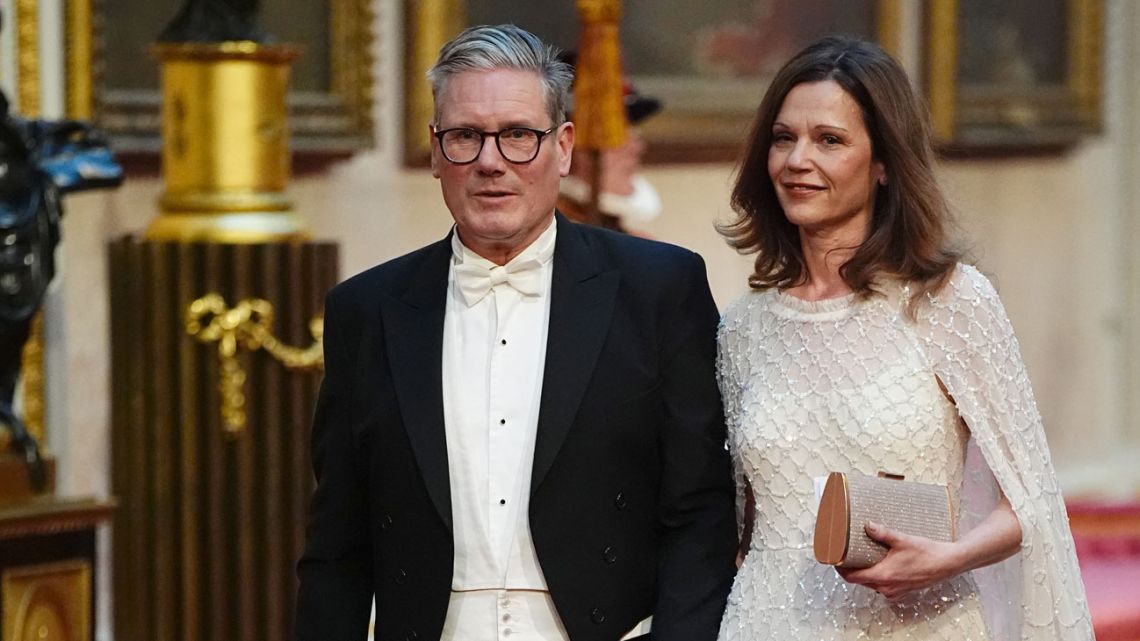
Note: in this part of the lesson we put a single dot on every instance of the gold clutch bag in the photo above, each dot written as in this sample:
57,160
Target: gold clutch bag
849,501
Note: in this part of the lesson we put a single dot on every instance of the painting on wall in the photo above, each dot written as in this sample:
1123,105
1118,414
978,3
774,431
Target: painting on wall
115,77
1014,76
709,63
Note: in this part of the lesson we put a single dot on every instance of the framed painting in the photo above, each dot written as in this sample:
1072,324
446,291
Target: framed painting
114,80
708,63
1019,76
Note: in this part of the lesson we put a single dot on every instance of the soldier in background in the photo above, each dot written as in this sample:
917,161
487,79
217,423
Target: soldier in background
626,196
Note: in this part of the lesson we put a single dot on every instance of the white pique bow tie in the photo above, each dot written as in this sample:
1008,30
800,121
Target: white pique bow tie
475,280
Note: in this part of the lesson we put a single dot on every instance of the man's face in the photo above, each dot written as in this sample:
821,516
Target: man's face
500,207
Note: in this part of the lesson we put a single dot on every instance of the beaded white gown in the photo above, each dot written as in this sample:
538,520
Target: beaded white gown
853,385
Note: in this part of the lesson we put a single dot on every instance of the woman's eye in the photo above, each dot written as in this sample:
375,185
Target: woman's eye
829,139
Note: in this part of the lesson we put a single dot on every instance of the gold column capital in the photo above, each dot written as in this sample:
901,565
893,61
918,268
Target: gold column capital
225,149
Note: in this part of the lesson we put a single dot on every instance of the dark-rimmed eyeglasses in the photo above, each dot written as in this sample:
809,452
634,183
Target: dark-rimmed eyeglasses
519,145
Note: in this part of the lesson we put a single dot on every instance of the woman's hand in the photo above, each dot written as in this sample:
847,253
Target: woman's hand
912,563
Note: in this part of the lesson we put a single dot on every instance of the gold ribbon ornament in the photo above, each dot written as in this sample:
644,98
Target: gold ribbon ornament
248,325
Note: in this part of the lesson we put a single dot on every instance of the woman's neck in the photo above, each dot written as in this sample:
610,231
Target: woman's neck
825,251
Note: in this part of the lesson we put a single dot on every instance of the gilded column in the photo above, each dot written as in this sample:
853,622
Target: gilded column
225,153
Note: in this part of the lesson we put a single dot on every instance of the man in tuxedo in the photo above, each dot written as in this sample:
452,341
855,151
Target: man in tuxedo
519,434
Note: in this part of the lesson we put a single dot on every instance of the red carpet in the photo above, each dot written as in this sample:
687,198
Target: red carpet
1107,536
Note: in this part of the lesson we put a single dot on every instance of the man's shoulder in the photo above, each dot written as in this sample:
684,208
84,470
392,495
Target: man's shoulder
390,276
636,252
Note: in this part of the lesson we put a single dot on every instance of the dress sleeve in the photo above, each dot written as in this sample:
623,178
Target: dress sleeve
1037,594
730,379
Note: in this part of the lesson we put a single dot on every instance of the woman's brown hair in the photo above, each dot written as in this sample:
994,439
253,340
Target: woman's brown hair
908,237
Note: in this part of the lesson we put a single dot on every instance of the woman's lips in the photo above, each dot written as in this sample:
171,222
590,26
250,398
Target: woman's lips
801,189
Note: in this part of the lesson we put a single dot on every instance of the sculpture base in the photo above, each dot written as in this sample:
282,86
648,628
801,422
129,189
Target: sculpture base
14,483
47,568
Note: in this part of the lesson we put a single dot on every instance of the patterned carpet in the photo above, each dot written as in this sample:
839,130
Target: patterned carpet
1108,547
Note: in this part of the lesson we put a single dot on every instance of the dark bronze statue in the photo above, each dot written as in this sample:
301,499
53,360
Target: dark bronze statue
39,161
215,21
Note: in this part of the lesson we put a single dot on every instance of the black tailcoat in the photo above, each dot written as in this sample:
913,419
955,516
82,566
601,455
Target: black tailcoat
631,507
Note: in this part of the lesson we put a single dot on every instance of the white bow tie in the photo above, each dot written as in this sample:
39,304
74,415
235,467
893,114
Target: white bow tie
475,280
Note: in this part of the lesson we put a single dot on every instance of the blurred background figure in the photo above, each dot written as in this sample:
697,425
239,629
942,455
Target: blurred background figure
626,198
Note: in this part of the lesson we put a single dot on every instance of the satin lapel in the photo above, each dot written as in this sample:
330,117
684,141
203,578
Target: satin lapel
581,303
413,334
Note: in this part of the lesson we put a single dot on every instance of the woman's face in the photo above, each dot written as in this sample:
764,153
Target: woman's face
821,162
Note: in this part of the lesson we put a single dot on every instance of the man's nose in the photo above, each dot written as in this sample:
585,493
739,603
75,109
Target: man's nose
489,158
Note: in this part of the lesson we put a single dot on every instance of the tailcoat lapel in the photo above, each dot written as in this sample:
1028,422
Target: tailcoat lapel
582,299
413,336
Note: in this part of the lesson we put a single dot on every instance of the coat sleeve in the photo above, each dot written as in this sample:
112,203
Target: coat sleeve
335,592
697,514
1037,594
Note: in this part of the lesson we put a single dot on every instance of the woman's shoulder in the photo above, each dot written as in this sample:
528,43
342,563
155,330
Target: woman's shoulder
745,306
966,284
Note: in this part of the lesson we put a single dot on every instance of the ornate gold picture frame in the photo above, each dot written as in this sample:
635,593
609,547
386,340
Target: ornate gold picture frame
1014,76
114,80
710,82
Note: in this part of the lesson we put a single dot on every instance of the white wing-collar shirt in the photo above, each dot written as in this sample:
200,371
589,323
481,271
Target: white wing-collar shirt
494,352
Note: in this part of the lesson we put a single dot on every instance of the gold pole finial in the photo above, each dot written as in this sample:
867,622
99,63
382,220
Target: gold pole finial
599,109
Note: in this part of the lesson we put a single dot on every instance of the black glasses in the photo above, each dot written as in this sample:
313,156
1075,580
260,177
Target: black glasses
462,145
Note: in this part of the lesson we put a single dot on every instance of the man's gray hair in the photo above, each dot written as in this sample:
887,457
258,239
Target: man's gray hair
505,46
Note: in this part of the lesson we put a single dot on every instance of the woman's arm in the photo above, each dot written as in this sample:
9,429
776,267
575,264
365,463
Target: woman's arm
914,563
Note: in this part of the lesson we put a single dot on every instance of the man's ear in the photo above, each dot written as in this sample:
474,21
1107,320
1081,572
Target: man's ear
565,142
435,160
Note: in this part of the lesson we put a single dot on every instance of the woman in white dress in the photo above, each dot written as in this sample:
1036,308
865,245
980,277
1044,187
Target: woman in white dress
866,345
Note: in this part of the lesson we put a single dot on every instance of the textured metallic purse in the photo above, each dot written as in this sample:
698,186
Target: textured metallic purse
849,501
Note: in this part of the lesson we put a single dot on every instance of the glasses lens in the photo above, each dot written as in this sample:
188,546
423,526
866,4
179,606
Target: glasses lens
518,145
462,145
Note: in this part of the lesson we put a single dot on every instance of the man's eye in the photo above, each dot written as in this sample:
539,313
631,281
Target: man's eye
465,134
515,134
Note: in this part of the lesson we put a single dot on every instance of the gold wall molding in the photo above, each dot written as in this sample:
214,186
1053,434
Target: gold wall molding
29,92
28,57
428,25
33,383
49,516
942,66
80,47
248,325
